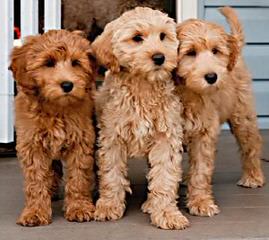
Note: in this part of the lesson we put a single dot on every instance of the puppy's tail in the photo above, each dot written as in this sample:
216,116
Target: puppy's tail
236,26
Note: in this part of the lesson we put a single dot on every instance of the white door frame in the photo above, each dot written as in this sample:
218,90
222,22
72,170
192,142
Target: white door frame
6,81
29,26
186,9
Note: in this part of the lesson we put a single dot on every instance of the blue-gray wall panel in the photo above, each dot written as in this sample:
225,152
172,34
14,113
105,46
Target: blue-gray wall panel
254,3
261,91
254,15
256,57
254,20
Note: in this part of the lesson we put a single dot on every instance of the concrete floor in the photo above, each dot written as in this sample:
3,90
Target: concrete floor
244,212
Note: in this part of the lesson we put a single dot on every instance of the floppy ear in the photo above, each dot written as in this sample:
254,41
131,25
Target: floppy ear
93,63
102,48
92,71
234,48
19,67
181,33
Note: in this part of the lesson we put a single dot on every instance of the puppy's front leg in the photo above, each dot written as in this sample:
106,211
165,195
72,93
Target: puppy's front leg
113,183
164,176
202,156
38,179
80,183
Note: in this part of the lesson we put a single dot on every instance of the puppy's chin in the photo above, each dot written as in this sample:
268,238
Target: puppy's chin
159,75
56,96
153,73
63,100
68,100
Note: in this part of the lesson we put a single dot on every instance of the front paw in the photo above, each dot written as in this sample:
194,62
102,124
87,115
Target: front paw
253,180
169,218
31,217
203,207
79,211
147,207
108,210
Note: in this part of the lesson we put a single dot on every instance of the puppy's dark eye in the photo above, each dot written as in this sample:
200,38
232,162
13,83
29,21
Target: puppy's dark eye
215,51
75,63
91,58
162,36
50,62
138,38
191,53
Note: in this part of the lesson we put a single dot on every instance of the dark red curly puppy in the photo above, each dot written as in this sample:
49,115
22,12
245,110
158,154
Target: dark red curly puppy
54,105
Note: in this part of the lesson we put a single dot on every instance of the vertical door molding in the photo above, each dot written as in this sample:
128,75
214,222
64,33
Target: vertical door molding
186,9
29,17
6,81
52,14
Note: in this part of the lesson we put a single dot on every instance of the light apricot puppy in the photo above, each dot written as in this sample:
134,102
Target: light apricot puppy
139,115
215,87
55,81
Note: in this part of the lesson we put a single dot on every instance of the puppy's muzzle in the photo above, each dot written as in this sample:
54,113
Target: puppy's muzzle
211,78
67,86
158,59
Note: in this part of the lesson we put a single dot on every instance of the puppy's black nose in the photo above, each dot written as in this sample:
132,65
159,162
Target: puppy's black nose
158,59
67,86
211,78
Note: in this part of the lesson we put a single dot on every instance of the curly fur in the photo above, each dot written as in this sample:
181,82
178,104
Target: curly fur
205,48
51,124
139,115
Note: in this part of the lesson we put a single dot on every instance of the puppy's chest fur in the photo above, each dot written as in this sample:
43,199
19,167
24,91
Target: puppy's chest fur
56,133
138,112
203,112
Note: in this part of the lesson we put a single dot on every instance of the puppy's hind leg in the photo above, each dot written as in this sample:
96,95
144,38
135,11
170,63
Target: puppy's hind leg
245,129
164,176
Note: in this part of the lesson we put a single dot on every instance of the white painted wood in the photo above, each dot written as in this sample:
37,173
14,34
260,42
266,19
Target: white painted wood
189,9
17,43
6,118
29,17
6,81
179,11
52,14
186,9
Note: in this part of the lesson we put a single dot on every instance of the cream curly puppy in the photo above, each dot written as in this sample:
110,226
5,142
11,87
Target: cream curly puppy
139,115
215,87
